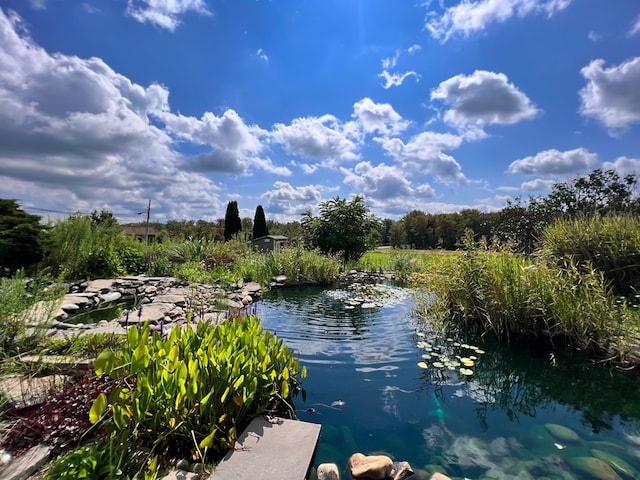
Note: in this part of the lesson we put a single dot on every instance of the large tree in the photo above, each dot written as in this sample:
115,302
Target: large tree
232,222
259,223
20,237
342,227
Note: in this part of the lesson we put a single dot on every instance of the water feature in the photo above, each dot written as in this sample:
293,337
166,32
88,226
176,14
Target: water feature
526,412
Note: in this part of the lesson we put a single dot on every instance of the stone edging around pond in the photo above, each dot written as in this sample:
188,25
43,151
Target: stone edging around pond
154,299
164,299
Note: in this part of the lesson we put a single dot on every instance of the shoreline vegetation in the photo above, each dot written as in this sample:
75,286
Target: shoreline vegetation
565,269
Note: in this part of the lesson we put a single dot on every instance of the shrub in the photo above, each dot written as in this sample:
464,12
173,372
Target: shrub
195,389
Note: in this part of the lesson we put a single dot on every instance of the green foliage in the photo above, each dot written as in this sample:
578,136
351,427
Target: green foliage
429,231
296,263
232,221
341,228
608,244
97,461
259,223
601,192
506,295
26,308
21,236
93,246
196,388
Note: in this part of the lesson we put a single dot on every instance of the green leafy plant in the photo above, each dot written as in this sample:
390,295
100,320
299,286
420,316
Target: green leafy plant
195,389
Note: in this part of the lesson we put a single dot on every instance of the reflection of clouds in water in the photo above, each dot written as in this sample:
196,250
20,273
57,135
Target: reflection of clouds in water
385,368
390,401
476,392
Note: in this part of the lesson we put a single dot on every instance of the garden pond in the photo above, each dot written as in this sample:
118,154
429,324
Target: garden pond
468,407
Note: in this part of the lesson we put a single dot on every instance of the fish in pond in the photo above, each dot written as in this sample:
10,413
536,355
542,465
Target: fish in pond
338,403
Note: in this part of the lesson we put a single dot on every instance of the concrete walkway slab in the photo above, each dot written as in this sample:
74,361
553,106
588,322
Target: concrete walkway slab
283,449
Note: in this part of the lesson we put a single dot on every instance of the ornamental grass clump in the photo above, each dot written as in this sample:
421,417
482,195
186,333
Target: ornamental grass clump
608,244
509,295
192,392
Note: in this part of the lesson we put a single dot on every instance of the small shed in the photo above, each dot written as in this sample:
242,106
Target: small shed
139,232
270,243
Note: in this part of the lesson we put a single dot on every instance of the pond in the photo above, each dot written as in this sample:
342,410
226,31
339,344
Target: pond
526,412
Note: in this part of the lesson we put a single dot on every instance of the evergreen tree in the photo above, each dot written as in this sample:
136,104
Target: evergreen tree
232,221
21,236
259,223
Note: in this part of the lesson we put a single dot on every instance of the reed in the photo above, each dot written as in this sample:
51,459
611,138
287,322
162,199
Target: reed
507,295
608,244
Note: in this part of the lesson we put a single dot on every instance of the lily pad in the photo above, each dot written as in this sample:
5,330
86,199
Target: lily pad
466,371
479,351
438,364
467,362
423,365
426,356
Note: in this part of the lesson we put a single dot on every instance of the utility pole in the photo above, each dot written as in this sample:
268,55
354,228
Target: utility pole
146,227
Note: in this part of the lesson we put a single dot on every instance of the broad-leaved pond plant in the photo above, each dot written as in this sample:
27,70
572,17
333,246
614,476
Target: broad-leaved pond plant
195,389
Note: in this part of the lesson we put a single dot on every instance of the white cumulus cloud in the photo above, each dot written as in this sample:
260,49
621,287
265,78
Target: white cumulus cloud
423,154
624,166
612,95
469,17
554,162
483,98
316,137
164,13
537,185
378,117
380,181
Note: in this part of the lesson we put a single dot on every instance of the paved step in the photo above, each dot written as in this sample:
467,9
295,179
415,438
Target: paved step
271,449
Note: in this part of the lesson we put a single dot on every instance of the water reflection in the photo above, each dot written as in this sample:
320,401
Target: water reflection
498,423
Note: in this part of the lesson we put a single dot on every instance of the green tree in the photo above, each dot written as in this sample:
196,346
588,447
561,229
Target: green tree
259,223
342,227
232,222
21,236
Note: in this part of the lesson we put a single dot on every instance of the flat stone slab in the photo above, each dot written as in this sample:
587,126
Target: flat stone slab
283,450
27,464
181,475
27,391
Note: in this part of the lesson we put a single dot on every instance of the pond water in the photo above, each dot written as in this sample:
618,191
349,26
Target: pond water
524,412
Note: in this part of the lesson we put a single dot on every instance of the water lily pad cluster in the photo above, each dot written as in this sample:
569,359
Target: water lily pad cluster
444,356
367,296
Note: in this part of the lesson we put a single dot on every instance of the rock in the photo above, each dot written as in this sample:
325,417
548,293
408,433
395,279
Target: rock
246,300
150,289
69,307
170,298
328,471
25,392
25,465
619,465
280,279
110,297
372,467
101,286
401,470
439,476
79,300
562,433
594,467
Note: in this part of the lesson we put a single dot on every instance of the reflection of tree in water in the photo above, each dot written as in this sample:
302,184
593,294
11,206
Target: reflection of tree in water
520,377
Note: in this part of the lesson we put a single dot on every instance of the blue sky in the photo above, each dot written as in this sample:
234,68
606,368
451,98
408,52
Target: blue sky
429,105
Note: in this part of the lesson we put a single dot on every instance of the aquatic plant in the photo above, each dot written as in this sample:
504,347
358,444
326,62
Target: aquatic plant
509,295
193,390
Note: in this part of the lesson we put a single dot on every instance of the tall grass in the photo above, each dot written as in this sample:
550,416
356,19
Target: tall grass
608,244
296,263
509,295
26,308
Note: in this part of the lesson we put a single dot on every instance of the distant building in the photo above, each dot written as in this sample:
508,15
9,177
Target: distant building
139,232
270,243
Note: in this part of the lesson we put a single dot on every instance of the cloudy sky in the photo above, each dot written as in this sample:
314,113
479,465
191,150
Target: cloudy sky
412,104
